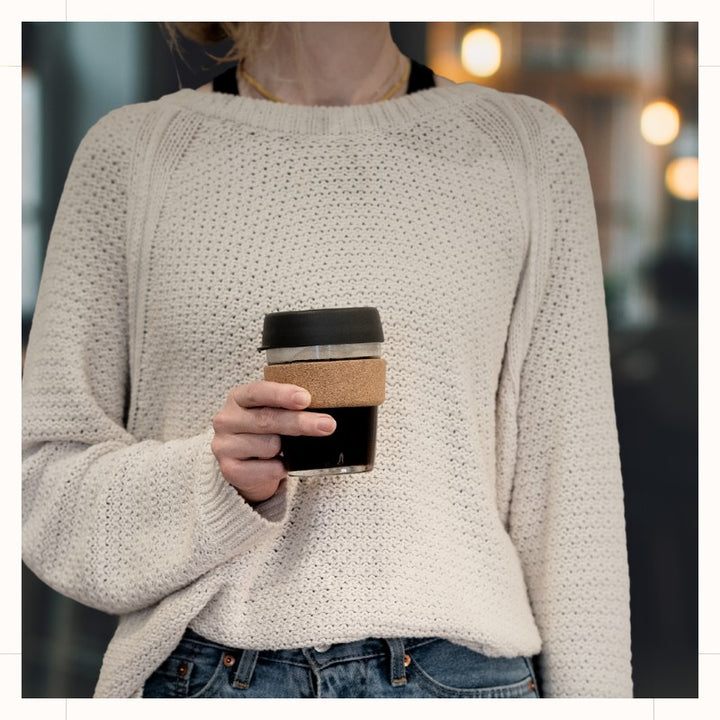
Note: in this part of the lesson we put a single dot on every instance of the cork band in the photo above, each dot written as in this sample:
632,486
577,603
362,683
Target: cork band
335,383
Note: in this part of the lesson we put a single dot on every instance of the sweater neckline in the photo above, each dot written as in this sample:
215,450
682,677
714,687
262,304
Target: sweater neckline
321,119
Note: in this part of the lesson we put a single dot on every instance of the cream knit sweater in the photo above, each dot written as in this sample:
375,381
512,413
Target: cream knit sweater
494,516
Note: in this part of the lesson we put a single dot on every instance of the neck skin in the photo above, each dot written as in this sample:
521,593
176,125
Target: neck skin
327,63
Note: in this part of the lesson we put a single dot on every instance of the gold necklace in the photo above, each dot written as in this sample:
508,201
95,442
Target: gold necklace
266,93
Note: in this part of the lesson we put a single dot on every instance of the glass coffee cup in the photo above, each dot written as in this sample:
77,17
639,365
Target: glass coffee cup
333,353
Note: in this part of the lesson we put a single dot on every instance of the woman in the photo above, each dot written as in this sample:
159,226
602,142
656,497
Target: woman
328,170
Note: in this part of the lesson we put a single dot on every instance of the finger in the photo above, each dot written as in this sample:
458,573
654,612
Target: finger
264,393
269,420
236,420
255,480
247,446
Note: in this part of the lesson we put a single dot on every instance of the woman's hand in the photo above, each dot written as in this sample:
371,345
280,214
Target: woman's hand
248,429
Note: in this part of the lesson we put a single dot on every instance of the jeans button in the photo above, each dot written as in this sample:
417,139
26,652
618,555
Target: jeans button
321,648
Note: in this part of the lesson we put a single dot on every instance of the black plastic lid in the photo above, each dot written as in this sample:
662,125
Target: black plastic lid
333,326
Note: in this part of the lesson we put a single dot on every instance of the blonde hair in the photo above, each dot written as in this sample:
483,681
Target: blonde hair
247,37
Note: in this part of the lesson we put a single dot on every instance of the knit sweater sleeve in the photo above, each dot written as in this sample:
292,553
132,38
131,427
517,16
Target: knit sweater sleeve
566,514
110,520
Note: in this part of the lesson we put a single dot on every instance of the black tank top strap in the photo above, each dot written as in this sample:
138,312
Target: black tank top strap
226,81
421,78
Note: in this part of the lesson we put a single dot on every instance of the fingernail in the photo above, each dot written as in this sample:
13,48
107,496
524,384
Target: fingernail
301,397
326,424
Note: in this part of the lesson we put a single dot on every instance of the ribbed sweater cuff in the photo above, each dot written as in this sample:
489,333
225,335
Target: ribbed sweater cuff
231,523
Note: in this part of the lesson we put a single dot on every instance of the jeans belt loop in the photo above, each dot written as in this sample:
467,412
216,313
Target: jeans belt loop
245,669
397,661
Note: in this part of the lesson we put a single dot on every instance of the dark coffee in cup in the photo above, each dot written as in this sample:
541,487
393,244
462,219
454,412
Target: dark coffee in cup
335,355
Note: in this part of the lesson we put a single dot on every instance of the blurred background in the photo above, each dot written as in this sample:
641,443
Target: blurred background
630,92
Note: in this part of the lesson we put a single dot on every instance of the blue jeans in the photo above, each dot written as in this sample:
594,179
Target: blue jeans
393,667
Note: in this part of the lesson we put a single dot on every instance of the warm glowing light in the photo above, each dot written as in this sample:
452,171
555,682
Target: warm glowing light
681,178
481,52
660,122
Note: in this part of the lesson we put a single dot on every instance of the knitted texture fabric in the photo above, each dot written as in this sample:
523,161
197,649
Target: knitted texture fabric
494,515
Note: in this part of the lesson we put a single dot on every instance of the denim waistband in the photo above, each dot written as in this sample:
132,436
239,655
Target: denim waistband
338,652
315,658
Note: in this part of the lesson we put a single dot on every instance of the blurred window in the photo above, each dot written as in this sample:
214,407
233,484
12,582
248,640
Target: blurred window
31,191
